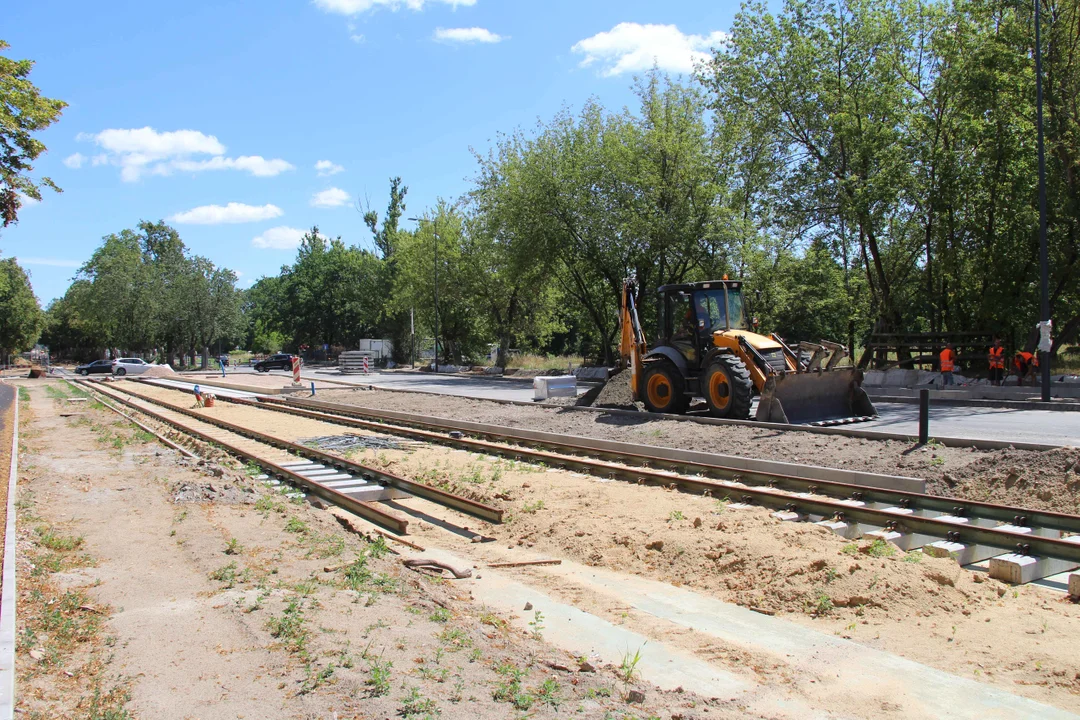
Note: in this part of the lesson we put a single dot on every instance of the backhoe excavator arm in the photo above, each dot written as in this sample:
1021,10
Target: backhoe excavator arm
632,347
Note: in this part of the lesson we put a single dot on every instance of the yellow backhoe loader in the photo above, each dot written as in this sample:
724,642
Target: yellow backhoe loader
707,349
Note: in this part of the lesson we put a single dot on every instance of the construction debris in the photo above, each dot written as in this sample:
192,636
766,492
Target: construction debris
349,442
430,564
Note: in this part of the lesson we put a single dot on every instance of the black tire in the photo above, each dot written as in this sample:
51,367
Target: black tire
663,389
260,368
727,388
84,373
120,372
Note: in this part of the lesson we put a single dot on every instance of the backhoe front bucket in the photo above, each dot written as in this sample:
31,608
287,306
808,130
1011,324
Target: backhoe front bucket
821,397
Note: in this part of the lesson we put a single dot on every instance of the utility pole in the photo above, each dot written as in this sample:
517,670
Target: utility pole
1044,253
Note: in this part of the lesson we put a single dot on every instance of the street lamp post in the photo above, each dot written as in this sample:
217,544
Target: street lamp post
1044,253
435,233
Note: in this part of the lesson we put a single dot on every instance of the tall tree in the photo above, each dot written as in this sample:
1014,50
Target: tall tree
21,318
23,112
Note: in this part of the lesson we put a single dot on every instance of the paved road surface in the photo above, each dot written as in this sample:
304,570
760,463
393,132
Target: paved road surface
1036,426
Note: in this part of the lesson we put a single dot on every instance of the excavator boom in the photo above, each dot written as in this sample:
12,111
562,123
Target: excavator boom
632,346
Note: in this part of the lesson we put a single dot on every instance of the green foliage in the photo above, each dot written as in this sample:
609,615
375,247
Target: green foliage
21,319
142,289
378,679
23,112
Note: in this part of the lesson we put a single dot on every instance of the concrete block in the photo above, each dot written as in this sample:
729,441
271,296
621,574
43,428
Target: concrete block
789,516
591,373
1019,569
317,473
845,530
904,541
557,386
328,479
1074,585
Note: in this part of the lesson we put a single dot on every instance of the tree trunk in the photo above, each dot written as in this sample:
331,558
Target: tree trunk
205,357
504,348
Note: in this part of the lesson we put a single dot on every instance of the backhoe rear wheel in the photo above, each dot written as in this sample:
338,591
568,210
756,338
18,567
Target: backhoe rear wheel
664,389
727,388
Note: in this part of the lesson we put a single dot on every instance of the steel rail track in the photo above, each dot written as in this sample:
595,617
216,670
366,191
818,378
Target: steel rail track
952,506
899,516
365,510
462,504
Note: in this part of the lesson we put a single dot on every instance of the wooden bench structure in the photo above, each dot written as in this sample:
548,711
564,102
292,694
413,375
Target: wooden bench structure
912,349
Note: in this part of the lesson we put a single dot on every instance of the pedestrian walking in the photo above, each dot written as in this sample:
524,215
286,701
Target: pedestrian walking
948,364
997,363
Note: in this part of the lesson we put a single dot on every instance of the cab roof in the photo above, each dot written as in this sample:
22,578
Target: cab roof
703,285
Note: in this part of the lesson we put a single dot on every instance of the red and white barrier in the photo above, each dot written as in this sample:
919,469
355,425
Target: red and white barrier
367,366
296,369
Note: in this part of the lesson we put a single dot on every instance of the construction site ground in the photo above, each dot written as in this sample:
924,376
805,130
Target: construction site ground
158,587
928,610
1044,480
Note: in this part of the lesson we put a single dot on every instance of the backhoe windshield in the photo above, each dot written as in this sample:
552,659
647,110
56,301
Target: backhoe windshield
712,308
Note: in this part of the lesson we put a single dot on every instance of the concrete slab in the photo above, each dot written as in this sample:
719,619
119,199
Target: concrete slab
1074,585
848,674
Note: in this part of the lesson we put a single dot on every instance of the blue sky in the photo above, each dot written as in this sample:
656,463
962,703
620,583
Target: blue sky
244,122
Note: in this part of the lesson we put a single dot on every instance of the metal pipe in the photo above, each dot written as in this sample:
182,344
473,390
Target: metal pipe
1044,252
924,416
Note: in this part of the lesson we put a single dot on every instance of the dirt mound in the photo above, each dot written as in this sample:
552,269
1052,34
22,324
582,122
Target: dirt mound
158,371
616,394
1047,480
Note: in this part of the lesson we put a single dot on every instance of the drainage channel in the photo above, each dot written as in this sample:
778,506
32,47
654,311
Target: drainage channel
349,485
1016,549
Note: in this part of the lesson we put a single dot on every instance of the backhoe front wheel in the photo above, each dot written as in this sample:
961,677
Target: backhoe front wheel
727,388
664,389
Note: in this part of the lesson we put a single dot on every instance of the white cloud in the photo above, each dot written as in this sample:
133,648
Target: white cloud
467,35
52,262
357,38
355,7
141,151
325,167
75,161
278,238
630,47
332,197
231,213
26,200
254,164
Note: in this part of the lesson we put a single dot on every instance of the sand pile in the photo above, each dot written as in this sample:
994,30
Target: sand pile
158,371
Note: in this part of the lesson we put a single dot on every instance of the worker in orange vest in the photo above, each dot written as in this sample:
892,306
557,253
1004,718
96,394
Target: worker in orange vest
997,363
948,364
1024,365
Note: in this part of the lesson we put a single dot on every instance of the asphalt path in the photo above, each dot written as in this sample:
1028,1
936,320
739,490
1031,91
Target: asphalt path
946,421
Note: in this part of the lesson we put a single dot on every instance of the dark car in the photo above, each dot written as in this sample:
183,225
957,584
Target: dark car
281,361
98,366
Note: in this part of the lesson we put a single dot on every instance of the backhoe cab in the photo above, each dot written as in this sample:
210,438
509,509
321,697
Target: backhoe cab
707,349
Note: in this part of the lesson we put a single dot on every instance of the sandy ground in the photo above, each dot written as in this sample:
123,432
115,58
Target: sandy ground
155,587
927,609
1041,480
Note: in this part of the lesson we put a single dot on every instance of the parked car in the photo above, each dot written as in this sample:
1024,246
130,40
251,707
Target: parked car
98,366
130,366
281,361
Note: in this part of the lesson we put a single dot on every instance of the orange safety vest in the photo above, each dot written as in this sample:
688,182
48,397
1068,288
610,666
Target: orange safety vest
1023,360
997,357
947,359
